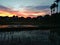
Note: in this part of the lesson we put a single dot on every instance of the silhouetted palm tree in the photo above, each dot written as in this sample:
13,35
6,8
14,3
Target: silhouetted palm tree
57,1
52,7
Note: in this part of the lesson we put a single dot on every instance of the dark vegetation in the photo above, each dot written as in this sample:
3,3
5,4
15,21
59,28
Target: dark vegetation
46,20
55,32
42,21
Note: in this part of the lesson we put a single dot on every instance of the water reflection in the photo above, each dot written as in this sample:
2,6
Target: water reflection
35,37
10,26
3,26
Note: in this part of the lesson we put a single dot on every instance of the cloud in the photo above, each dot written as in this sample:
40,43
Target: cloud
28,11
5,11
41,7
37,9
4,8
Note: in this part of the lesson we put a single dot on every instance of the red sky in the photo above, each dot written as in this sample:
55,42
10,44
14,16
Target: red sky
25,8
23,12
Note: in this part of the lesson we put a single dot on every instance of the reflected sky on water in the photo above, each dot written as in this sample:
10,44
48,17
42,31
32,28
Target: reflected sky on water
40,35
10,26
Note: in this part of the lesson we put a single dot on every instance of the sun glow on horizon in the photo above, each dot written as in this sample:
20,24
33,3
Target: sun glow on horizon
21,14
4,13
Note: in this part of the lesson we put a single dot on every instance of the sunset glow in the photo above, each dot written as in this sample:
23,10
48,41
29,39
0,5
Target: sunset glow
24,8
20,14
4,13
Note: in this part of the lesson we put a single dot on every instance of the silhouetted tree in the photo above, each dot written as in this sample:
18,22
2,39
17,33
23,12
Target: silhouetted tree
39,19
52,7
57,1
47,19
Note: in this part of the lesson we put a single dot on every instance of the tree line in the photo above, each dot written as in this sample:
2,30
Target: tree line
55,5
40,20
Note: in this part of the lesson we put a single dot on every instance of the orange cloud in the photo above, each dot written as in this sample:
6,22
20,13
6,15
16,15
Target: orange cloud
5,13
21,14
29,11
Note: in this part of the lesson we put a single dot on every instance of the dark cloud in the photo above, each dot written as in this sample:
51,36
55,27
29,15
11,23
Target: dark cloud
35,8
4,8
38,7
41,7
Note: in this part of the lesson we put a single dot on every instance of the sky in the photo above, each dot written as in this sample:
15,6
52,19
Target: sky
25,8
